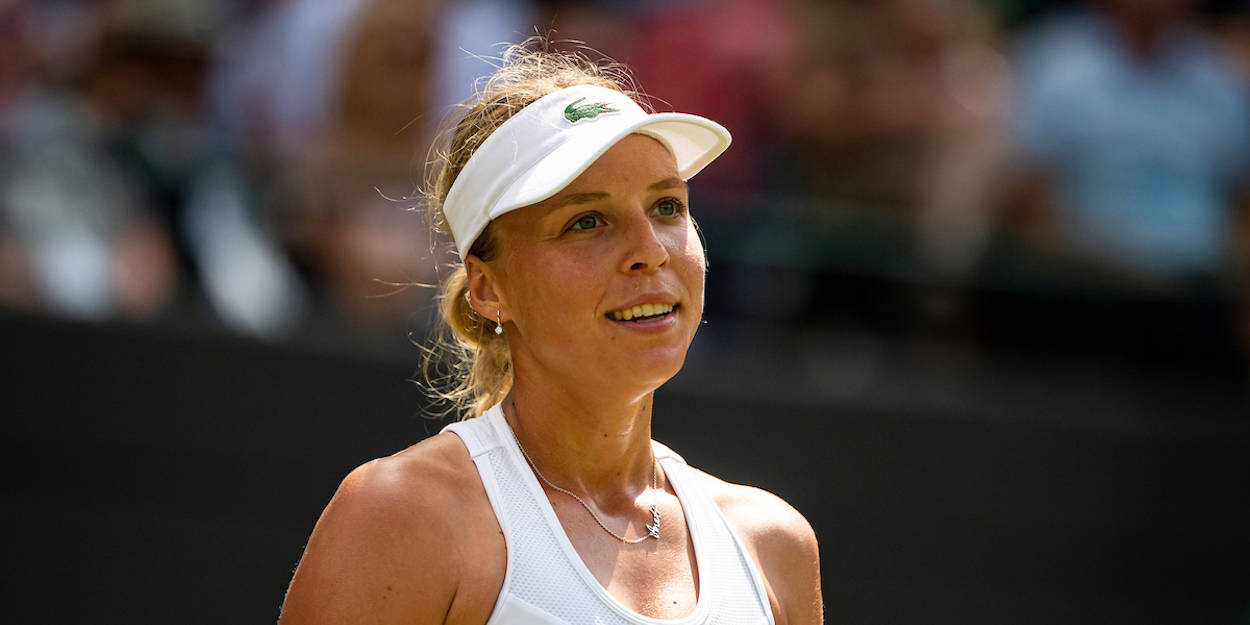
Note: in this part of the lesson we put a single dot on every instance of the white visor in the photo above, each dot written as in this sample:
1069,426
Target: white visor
549,143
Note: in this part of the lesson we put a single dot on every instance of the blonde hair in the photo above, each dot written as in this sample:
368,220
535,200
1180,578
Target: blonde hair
469,366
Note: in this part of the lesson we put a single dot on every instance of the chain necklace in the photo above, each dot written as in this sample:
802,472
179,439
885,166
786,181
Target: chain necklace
653,528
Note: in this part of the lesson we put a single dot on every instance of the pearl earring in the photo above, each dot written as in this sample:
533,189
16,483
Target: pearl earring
498,323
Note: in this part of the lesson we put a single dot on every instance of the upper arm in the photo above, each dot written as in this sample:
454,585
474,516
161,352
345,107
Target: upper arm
377,554
788,553
784,547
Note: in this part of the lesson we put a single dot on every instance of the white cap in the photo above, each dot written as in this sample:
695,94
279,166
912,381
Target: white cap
548,144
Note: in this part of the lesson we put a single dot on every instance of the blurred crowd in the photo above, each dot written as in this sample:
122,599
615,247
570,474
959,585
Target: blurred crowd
252,162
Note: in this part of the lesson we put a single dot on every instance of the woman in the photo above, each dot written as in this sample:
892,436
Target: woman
580,291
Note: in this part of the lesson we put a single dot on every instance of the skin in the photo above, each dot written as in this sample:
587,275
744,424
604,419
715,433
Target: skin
412,538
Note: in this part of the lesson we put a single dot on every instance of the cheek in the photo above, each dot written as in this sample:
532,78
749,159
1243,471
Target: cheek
694,266
557,286
693,248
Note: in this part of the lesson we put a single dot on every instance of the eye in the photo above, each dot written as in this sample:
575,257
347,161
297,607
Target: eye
585,222
668,207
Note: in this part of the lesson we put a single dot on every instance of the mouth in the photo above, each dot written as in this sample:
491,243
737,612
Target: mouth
643,312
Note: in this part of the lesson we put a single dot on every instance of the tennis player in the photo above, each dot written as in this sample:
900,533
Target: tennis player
580,290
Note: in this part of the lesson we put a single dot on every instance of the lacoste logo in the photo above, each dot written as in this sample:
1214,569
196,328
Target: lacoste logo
573,112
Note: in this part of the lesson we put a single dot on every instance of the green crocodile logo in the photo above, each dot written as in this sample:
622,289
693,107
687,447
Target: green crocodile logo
573,112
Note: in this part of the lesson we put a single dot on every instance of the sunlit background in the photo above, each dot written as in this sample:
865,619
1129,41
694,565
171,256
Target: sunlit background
978,301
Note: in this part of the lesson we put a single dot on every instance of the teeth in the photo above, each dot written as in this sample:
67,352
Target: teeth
644,310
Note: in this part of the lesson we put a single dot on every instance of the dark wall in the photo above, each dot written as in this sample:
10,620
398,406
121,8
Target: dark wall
157,478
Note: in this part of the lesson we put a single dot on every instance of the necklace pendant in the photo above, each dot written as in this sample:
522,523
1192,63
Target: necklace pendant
653,529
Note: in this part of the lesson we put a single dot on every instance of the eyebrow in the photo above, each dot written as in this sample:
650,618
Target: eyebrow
595,196
668,183
580,198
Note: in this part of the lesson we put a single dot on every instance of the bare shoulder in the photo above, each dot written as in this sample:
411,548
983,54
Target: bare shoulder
782,543
389,546
762,518
418,488
431,473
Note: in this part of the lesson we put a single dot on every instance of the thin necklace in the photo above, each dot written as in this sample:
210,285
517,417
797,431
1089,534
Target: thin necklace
653,529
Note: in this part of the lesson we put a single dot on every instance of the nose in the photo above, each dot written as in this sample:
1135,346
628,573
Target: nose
645,249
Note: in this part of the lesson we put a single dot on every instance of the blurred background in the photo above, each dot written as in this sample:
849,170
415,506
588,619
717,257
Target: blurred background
979,289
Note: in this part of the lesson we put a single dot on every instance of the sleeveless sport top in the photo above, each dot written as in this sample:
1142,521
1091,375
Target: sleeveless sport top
546,582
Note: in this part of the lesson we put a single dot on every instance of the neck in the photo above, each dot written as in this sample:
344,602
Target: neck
598,449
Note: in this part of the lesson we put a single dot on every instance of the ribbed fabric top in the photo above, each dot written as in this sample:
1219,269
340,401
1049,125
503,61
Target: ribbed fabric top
547,583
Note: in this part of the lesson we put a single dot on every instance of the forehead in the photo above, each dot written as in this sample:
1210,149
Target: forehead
628,168
635,159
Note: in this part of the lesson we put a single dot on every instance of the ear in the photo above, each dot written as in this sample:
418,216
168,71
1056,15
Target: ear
484,293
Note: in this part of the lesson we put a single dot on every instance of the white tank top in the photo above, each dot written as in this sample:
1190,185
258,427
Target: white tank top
547,583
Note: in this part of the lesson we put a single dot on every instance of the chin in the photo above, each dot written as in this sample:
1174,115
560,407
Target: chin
653,369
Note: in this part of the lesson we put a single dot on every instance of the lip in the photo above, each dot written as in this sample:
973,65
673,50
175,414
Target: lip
650,325
648,298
